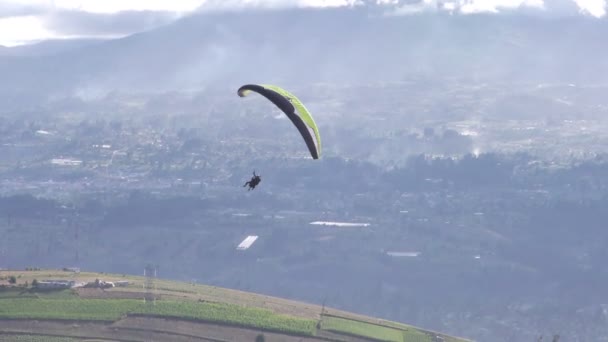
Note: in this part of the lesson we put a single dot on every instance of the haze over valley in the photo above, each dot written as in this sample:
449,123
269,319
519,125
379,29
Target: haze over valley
461,188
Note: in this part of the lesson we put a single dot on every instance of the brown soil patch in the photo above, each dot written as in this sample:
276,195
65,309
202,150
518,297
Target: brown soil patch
211,331
144,329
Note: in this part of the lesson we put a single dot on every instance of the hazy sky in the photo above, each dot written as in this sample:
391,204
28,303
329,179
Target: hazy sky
26,21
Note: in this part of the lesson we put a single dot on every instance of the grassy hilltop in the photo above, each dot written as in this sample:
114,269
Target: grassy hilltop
179,312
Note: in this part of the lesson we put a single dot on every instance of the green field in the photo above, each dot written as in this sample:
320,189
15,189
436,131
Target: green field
114,309
376,332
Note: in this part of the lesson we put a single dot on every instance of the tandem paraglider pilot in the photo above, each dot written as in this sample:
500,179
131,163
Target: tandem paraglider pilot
295,111
255,180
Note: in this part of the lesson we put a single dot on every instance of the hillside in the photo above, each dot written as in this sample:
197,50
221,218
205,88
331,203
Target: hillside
338,45
173,311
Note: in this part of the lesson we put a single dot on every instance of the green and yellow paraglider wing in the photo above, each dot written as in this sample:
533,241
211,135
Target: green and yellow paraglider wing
293,108
304,113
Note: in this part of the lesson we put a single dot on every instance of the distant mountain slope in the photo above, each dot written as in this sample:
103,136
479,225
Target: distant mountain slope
47,47
331,45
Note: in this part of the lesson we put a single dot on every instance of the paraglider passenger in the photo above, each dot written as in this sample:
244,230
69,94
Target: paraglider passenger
255,180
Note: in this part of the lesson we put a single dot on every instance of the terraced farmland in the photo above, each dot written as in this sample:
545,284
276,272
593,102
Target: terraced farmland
182,312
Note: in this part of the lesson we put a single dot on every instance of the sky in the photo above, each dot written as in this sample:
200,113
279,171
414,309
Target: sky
29,21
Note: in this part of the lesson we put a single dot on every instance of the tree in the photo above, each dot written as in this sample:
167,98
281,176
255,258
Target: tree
260,338
12,280
35,283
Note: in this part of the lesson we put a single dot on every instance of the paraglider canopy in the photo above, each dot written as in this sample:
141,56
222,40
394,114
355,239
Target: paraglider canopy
294,109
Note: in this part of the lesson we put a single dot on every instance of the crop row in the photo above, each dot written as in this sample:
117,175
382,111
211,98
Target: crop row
377,332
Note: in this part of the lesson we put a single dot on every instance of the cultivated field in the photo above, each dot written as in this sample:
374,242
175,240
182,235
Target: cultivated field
181,312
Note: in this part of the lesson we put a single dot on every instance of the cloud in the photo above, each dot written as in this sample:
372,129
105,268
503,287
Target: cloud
81,23
461,6
21,30
114,6
275,4
29,21
494,6
24,8
596,8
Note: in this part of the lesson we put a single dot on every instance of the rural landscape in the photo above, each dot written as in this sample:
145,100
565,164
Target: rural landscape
459,193
73,307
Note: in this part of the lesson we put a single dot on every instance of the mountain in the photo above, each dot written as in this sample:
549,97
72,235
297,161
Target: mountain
320,45
47,47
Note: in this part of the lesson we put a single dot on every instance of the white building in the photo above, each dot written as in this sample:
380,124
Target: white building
245,244
55,284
